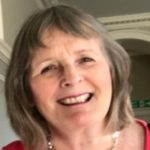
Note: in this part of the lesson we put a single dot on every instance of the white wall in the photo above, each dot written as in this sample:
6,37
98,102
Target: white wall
14,14
6,133
1,21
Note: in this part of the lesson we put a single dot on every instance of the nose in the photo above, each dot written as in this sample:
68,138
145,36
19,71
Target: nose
71,77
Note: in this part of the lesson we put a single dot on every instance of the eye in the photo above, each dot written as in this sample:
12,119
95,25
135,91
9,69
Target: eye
86,59
49,68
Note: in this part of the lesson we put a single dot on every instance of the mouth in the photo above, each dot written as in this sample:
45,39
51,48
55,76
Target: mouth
75,100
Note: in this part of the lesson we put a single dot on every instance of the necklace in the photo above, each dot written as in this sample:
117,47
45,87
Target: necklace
50,146
114,137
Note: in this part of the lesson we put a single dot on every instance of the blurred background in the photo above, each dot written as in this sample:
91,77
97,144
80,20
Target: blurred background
127,21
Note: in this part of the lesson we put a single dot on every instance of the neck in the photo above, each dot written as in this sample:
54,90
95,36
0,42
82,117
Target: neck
89,137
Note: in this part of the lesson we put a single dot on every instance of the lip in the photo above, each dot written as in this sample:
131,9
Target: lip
60,101
73,95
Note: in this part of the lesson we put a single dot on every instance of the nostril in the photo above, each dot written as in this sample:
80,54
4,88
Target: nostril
66,84
71,76
71,81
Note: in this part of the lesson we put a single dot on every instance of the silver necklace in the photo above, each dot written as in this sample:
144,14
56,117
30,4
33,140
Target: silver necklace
114,137
50,146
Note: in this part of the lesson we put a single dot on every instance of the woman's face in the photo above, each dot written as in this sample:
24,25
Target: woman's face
70,80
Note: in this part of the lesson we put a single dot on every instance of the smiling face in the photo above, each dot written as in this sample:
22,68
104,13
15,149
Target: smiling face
70,80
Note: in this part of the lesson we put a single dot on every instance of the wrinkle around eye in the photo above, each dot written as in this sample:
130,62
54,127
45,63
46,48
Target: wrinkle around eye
49,69
87,60
44,69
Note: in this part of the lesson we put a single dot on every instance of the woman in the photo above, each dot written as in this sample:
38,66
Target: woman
67,86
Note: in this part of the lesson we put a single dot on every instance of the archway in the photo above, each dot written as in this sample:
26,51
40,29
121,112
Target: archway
137,44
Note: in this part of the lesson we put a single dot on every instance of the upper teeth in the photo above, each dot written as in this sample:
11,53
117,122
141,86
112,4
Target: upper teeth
73,100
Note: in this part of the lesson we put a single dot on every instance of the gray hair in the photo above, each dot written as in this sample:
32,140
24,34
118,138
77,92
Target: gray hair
26,121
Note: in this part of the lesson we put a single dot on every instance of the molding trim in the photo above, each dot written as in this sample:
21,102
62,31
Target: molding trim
4,56
113,22
5,52
135,34
131,34
126,21
129,27
1,22
2,78
45,3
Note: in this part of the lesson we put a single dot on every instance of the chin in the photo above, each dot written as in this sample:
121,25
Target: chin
85,119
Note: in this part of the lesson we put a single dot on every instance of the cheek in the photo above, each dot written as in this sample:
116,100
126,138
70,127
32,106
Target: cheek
106,79
44,98
103,77
43,90
104,86
104,95
107,83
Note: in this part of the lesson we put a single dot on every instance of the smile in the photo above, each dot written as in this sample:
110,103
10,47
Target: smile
76,99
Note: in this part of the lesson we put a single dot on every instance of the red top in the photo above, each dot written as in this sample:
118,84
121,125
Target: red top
147,133
17,145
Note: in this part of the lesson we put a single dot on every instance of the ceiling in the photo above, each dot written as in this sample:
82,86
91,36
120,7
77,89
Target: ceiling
107,8
103,8
18,10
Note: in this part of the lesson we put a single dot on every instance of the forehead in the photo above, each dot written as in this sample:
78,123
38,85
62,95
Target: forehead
59,42
56,37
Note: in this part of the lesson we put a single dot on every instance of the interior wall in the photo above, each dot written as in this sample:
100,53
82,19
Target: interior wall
6,133
140,76
139,50
14,13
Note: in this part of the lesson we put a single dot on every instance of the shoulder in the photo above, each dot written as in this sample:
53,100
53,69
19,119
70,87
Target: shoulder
16,145
146,127
134,136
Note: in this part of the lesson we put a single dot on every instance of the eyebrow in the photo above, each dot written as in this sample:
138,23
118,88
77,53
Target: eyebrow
39,63
87,50
51,59
84,50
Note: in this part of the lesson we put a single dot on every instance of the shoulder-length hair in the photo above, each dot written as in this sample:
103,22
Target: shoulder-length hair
25,119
